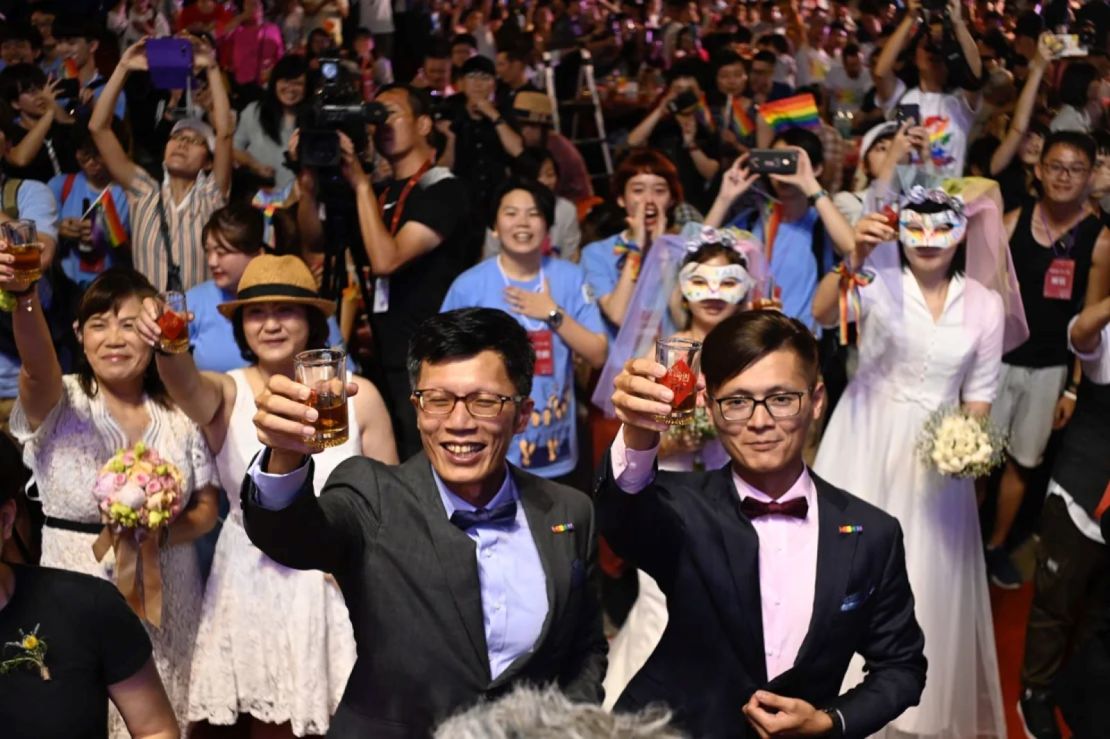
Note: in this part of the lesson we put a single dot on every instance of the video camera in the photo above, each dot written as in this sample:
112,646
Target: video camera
337,107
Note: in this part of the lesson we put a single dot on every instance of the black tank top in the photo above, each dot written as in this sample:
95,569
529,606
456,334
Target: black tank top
1047,345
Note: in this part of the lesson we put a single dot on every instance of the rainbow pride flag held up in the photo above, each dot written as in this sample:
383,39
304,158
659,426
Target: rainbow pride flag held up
69,69
739,120
113,226
703,114
799,111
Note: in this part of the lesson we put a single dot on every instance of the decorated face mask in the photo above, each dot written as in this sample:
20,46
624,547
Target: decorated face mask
943,230
729,282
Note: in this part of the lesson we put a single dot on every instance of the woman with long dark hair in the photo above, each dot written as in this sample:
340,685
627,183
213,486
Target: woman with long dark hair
266,125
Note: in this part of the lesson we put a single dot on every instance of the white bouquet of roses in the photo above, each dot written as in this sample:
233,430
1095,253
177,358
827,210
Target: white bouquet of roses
958,444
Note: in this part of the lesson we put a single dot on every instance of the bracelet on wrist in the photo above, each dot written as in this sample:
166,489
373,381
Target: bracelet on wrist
1070,395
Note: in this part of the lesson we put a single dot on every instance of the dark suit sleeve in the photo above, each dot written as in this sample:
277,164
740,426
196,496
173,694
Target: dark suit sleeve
643,527
326,533
893,651
587,659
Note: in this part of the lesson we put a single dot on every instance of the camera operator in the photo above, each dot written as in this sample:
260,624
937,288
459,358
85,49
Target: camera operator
940,61
417,234
481,142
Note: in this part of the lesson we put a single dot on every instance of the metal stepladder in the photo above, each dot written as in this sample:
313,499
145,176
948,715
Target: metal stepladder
592,142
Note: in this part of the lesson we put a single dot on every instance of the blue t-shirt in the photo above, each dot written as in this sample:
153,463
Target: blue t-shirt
603,261
793,264
213,339
549,446
100,256
97,84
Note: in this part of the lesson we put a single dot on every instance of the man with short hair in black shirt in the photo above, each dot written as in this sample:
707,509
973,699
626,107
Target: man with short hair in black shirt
417,233
1061,254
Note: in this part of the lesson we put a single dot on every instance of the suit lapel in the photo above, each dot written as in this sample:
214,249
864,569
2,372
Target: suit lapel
741,544
556,554
455,552
835,556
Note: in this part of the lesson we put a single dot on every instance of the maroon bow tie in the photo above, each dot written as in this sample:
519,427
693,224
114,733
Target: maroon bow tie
795,508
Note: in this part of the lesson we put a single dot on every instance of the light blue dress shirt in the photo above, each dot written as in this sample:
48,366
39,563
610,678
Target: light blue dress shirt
510,574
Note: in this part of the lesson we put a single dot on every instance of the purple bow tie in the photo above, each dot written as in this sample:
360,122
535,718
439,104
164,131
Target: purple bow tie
795,508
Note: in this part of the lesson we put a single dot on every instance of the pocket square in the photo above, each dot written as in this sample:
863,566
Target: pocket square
855,600
577,574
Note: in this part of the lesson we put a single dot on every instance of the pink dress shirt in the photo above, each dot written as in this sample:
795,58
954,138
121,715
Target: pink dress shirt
787,555
248,50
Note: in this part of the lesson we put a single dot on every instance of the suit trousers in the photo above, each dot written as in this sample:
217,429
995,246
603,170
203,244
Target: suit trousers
1072,572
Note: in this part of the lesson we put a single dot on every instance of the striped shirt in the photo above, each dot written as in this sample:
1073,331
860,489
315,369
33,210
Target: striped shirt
186,220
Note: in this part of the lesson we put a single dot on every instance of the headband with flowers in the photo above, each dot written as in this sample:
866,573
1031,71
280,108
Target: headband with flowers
918,194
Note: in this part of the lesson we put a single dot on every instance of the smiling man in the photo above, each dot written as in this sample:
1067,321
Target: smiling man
773,577
464,575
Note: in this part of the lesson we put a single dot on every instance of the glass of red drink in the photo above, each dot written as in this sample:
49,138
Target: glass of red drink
682,358
174,323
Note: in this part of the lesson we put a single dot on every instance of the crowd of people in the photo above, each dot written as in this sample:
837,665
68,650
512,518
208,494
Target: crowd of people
864,212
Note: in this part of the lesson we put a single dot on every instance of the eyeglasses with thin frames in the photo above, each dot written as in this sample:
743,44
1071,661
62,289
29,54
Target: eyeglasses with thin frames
778,405
480,404
1057,169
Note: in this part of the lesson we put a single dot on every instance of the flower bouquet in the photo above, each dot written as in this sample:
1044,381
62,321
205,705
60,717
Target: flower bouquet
139,494
958,444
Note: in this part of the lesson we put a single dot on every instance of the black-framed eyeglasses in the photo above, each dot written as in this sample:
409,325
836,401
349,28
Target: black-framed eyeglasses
480,404
778,405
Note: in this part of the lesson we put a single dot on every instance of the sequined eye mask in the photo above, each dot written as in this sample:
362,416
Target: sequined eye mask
729,282
943,230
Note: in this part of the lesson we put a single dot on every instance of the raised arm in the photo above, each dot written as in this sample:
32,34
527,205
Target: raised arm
23,153
735,182
204,59
1023,111
117,161
967,45
884,69
805,179
40,374
641,133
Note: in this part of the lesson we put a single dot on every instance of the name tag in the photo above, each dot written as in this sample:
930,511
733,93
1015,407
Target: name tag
545,357
1059,279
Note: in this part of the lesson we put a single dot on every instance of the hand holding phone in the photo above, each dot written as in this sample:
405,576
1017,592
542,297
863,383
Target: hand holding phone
908,111
773,161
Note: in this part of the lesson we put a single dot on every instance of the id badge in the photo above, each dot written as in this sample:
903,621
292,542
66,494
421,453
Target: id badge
1059,279
545,357
381,294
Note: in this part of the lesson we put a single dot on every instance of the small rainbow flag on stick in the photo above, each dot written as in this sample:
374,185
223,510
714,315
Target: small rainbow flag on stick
69,69
739,120
113,226
703,114
799,111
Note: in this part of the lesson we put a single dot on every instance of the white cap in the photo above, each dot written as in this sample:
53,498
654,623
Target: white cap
198,126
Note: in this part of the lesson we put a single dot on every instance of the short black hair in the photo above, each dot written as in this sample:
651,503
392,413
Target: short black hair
725,58
1076,82
743,339
850,49
20,78
419,100
464,38
518,51
777,41
21,32
69,27
1075,139
807,140
438,49
318,331
764,56
530,161
686,67
543,197
467,332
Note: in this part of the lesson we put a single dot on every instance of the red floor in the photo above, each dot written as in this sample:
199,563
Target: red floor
1011,609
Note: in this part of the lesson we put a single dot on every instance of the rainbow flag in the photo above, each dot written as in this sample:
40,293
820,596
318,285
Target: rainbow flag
739,120
113,226
69,69
703,113
799,111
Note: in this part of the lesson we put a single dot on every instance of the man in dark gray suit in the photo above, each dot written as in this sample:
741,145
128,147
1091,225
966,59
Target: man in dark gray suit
463,575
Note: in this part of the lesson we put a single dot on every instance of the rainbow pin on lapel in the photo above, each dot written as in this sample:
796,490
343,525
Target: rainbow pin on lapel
562,528
851,529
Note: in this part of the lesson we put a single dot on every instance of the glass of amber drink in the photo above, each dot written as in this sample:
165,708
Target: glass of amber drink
24,245
174,323
682,358
324,372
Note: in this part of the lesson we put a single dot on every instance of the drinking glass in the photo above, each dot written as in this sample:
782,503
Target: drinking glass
768,295
682,358
23,244
324,372
174,323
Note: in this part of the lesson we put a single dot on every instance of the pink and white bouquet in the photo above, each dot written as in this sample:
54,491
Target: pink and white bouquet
138,489
139,494
958,444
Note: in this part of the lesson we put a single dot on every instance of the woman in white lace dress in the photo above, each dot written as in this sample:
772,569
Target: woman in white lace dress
274,643
71,425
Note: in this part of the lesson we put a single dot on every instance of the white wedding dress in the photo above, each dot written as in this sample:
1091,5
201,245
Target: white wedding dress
909,366
274,643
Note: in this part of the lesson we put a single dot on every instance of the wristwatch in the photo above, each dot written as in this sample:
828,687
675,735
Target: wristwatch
554,319
837,722
812,199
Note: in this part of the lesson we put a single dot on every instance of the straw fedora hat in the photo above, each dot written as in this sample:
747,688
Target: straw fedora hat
273,279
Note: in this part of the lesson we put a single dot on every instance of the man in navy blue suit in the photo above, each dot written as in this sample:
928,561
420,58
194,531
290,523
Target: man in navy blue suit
773,577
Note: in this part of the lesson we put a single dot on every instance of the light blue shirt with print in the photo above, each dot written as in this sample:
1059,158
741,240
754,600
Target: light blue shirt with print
79,196
549,446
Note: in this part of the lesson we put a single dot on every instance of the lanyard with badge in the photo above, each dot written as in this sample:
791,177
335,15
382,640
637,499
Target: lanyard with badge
1059,278
381,284
538,331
